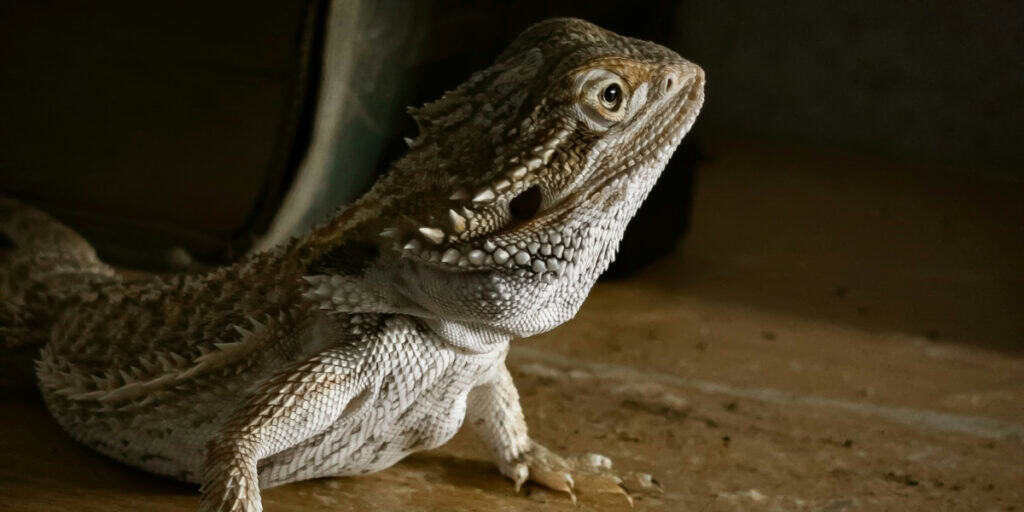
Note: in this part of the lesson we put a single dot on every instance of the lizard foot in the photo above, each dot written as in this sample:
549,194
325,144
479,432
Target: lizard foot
588,474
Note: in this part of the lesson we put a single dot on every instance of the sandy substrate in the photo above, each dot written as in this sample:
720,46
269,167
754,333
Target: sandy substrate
835,335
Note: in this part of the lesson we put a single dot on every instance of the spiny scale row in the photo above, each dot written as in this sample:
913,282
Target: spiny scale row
550,252
153,369
336,292
463,218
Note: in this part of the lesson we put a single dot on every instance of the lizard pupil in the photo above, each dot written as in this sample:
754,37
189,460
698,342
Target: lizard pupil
526,205
611,95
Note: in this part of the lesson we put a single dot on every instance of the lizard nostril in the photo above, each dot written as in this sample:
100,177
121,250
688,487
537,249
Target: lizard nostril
526,204
669,83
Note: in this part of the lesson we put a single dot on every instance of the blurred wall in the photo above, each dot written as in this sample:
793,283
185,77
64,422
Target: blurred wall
153,125
931,82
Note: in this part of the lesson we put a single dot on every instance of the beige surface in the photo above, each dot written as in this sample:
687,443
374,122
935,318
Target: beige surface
836,335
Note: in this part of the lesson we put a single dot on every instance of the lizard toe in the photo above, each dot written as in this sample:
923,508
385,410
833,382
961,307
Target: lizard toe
586,474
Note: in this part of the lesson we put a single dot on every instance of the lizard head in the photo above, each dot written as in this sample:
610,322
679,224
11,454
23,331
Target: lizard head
515,194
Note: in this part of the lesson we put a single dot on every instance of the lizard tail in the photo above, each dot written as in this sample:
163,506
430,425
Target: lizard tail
44,260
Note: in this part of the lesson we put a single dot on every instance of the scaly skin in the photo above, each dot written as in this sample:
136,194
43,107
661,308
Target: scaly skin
374,336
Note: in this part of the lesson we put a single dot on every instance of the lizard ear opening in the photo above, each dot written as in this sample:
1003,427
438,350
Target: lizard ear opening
526,205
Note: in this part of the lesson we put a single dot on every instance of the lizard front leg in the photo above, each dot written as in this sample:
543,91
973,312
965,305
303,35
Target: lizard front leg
292,406
493,411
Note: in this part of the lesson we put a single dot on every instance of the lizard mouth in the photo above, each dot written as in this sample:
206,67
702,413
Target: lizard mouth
527,206
542,241
654,155
541,238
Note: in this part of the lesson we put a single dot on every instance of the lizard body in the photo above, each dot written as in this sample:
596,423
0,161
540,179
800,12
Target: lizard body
381,331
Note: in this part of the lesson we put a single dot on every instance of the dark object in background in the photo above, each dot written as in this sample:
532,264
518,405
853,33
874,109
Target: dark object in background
151,126
170,132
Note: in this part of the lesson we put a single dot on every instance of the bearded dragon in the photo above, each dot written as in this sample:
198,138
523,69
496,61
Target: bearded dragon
385,328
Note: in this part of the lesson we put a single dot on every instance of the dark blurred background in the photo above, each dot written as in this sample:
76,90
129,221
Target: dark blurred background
928,82
871,149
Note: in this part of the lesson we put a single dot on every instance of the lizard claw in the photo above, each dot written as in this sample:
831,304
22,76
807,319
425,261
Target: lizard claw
589,474
603,483
519,476
554,480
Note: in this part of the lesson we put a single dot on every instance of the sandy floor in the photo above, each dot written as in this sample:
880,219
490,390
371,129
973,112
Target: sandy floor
836,334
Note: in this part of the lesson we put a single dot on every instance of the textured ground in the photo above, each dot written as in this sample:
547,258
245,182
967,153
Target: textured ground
837,334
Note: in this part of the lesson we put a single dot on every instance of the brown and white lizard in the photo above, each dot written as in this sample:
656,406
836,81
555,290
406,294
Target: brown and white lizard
383,330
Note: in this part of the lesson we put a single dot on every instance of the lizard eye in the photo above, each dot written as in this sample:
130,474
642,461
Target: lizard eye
603,98
611,97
